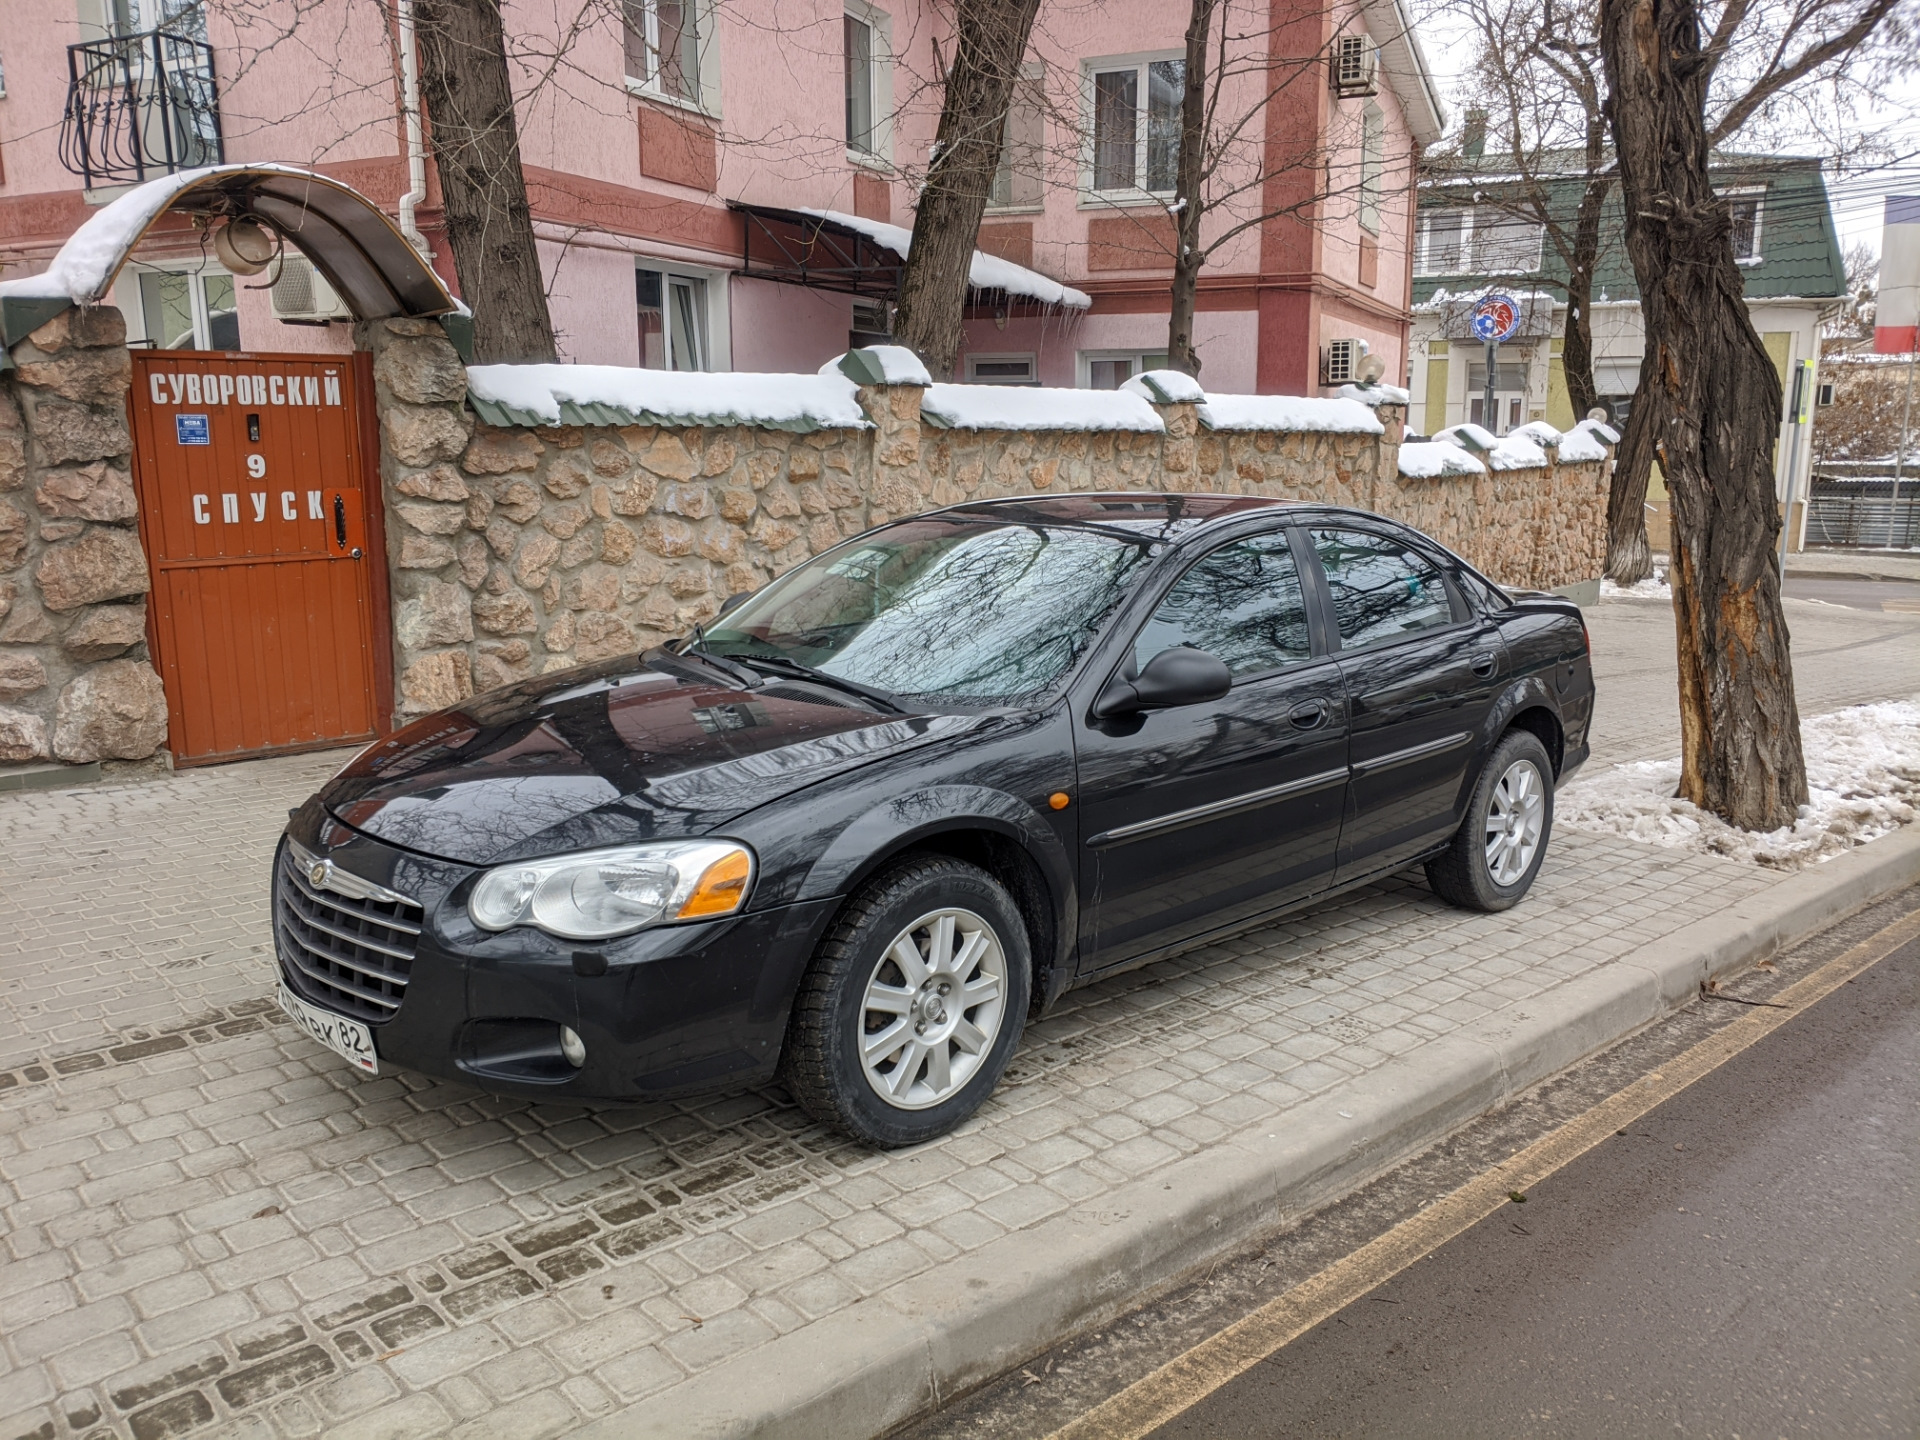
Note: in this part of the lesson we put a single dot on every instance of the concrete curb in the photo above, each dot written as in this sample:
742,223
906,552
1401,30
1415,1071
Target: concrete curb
867,1369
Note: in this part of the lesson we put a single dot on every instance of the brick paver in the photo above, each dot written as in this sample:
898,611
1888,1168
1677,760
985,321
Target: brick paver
213,1226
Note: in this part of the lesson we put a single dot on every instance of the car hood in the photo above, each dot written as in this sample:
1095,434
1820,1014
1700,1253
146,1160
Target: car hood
604,756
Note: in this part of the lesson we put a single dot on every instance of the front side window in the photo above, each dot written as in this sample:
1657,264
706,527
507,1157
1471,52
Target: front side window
1136,126
961,610
187,311
1381,590
673,320
663,47
1241,604
859,76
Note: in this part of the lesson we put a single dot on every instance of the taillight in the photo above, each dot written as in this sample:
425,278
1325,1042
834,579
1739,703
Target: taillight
1585,641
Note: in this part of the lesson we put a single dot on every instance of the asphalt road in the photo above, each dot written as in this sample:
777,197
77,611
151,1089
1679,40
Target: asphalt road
1893,597
1745,1261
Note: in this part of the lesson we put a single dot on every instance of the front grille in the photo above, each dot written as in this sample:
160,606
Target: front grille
348,953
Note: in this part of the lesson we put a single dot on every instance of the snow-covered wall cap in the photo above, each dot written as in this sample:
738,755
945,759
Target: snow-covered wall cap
1538,431
1581,444
1375,394
1600,430
881,365
1518,450
1289,412
1430,459
1021,407
987,272
1468,437
1166,387
620,395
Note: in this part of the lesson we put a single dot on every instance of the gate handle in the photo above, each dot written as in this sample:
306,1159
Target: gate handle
340,521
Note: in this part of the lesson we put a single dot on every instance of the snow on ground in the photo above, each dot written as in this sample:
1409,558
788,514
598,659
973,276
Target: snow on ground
1654,587
1863,776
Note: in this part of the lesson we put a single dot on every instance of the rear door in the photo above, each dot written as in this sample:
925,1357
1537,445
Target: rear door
1421,672
1200,817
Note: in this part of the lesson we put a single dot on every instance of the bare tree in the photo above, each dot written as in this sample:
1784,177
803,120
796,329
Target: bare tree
990,36
1709,398
476,143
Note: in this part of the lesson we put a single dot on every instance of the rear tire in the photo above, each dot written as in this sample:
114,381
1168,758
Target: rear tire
913,1004
1491,862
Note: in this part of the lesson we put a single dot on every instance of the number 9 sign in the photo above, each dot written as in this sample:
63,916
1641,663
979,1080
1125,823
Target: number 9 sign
1495,318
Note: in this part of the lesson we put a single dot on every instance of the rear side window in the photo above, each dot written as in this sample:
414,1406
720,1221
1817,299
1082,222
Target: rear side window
1487,595
1381,590
1241,603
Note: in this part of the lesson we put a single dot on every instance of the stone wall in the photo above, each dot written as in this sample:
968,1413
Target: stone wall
75,682
517,551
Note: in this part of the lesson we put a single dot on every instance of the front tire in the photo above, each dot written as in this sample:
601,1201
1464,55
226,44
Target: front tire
1495,855
913,1004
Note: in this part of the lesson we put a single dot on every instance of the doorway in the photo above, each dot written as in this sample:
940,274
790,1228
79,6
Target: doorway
265,546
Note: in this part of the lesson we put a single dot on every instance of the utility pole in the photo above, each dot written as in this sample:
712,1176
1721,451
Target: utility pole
1486,408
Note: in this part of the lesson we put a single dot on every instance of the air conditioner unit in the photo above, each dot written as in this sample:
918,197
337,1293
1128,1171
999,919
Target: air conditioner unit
1340,361
1354,61
302,296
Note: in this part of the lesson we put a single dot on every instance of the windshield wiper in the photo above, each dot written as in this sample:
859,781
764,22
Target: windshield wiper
785,665
705,661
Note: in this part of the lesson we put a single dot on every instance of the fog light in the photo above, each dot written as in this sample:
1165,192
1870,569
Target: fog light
573,1047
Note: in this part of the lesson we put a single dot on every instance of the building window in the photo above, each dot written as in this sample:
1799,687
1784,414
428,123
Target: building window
1476,241
663,47
1137,146
1020,179
1110,369
860,85
189,311
1373,139
673,320
1001,370
1442,246
1744,211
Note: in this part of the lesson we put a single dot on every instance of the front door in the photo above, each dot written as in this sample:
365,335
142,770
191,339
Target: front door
255,519
1203,817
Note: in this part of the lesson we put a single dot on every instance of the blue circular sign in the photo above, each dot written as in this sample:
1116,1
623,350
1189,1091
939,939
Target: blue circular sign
1495,317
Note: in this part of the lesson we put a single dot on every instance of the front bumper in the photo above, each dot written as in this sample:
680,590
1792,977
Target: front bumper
670,1011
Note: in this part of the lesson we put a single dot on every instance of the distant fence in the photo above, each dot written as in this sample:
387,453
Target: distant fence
1856,523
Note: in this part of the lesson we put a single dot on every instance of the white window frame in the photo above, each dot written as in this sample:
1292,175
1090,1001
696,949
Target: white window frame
134,303
1757,194
1471,261
1136,193
719,356
1373,164
880,27
1423,265
1032,79
706,50
1084,362
974,362
1504,219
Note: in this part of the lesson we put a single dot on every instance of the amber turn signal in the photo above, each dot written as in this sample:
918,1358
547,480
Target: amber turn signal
1059,800
722,887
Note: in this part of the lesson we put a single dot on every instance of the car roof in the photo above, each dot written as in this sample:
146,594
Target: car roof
1117,506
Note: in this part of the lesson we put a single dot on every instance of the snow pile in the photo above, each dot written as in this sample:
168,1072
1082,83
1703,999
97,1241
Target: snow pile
1654,587
1863,779
895,365
1585,442
1289,412
988,272
1166,387
1376,394
1430,459
1518,450
1021,407
1470,436
676,397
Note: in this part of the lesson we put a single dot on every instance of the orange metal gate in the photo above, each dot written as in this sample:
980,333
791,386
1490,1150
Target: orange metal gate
256,518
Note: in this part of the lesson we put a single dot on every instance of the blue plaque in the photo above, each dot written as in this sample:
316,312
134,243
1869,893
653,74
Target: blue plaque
192,430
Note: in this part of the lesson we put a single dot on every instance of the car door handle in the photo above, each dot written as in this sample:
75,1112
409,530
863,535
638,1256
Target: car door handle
1308,716
1485,664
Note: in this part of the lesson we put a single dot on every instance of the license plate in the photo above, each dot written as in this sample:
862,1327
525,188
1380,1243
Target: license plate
349,1039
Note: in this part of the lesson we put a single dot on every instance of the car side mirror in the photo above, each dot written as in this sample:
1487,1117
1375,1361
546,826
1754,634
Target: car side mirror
1180,675
733,602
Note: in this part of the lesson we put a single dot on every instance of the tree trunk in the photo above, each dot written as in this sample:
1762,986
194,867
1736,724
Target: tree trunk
990,36
476,143
1629,556
1576,350
1714,417
1189,204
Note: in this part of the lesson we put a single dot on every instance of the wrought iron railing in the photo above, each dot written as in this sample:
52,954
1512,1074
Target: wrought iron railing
139,106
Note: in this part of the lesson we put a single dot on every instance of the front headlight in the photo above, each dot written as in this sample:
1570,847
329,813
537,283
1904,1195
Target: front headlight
597,893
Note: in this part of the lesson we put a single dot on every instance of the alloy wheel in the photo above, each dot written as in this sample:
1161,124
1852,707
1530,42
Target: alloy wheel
1516,814
932,1009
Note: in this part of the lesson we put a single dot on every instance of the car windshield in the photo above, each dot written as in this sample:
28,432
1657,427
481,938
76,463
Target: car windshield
973,611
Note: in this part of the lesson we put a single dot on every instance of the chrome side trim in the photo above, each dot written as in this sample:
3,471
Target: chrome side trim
1140,829
325,875
1412,753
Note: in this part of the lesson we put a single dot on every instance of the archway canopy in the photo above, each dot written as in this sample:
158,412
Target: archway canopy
348,238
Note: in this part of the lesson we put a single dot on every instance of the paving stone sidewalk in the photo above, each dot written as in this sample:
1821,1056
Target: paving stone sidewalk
213,1227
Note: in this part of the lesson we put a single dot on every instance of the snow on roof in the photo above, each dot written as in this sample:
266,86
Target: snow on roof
988,272
1376,394
1166,387
1444,299
1022,407
1430,459
1289,412
620,395
86,264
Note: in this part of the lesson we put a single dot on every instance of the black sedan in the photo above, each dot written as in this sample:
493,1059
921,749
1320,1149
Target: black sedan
860,828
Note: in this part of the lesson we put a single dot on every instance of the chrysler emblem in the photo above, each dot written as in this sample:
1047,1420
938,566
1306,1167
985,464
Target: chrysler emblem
319,873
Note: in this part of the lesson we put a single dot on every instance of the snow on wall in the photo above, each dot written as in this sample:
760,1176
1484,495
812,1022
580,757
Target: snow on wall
826,400
1289,412
1430,459
1020,407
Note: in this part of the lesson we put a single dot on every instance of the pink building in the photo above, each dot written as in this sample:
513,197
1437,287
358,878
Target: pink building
712,185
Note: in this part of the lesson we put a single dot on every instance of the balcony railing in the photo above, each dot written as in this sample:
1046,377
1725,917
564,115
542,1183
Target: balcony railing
139,106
